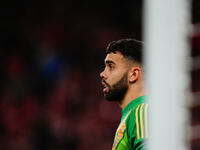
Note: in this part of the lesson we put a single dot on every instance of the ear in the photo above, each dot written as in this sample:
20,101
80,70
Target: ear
134,74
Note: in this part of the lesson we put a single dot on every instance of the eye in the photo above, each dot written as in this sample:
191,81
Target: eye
110,66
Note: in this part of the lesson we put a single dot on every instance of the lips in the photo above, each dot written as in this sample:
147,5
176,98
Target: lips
105,89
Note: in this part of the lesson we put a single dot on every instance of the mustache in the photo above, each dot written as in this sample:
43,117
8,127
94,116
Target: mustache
105,82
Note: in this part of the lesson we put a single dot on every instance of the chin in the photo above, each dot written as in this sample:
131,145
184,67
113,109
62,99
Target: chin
108,98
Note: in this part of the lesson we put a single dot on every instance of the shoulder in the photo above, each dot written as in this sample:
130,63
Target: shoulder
137,124
138,112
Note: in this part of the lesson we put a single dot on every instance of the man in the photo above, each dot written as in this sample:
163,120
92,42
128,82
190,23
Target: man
123,82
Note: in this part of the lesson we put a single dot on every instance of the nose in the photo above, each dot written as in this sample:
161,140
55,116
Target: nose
102,74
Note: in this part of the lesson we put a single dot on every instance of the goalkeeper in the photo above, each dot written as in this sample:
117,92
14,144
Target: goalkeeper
123,82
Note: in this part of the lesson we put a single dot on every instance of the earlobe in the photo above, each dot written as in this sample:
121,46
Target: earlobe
134,74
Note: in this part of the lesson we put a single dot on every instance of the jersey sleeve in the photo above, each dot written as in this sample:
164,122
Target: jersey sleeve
137,126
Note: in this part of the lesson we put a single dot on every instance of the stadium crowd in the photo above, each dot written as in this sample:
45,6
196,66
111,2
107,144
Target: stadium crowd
51,55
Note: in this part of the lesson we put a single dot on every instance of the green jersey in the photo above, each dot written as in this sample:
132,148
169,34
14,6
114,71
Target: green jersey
133,128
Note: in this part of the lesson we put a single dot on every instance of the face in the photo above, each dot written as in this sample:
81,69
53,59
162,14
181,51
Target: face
114,77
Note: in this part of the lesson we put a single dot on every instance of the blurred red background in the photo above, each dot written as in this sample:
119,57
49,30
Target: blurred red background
51,55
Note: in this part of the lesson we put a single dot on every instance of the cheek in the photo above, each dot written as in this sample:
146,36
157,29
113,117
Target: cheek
114,77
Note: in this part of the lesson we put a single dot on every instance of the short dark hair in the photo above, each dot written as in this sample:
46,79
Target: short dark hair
130,48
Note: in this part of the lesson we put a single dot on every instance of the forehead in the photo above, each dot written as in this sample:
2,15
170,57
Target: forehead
115,57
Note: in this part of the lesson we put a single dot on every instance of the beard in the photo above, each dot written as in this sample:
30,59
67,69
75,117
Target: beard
118,90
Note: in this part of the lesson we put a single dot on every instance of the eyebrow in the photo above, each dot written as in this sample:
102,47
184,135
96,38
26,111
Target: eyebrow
109,62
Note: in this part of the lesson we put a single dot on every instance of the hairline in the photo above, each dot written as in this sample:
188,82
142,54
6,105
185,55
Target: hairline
128,58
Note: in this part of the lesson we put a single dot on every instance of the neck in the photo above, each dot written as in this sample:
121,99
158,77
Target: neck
131,94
